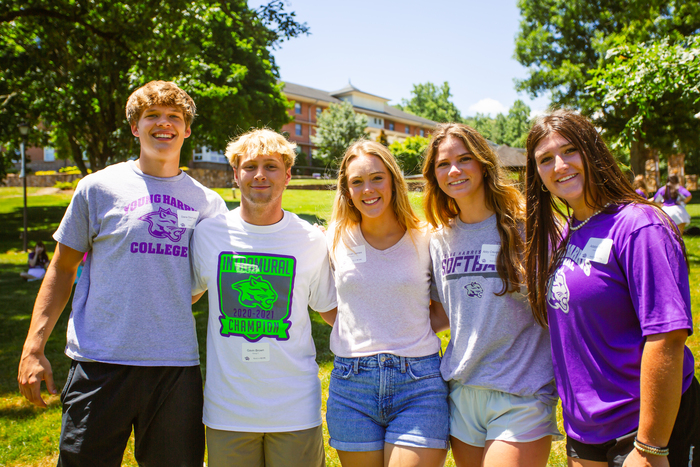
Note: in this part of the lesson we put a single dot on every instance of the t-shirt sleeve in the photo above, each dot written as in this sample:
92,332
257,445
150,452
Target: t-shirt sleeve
657,278
683,191
198,284
322,295
78,226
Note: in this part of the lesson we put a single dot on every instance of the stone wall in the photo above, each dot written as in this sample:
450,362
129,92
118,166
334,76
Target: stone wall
39,180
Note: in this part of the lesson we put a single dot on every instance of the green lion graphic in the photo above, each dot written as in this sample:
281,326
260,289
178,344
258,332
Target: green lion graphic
255,291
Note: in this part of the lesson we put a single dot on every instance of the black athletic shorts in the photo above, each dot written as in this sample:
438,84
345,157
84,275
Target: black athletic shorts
683,446
102,403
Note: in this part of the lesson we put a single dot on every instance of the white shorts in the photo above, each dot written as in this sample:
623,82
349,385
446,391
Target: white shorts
478,415
37,273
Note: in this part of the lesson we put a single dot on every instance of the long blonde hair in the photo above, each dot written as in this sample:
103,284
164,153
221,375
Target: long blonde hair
346,215
501,196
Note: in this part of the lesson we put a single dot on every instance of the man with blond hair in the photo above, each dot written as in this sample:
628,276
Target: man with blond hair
263,267
131,334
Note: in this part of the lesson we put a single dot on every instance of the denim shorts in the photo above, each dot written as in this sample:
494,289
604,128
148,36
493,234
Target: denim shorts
385,398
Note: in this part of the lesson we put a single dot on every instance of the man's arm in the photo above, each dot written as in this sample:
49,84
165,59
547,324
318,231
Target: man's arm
438,317
195,298
661,387
329,316
50,302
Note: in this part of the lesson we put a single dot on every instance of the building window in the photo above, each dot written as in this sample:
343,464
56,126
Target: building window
391,126
49,154
297,129
318,112
297,108
408,130
422,132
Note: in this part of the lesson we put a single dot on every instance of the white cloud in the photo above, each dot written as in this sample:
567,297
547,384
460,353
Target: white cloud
488,106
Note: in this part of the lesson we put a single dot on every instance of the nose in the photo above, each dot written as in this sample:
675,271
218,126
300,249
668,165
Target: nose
454,170
559,163
163,121
259,174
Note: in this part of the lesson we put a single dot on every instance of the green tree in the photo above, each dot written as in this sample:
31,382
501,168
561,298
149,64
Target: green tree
563,41
652,91
511,129
338,126
432,102
71,66
409,153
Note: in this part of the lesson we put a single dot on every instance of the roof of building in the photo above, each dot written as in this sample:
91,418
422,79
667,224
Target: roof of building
512,157
312,93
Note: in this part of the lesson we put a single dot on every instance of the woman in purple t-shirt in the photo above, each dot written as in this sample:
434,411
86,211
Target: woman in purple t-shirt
611,282
37,262
673,198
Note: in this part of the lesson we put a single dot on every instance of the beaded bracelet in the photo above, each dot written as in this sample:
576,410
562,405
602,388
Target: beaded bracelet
649,449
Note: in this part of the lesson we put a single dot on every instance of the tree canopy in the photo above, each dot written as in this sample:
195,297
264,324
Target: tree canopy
409,153
510,129
565,43
337,127
432,102
562,40
652,91
69,67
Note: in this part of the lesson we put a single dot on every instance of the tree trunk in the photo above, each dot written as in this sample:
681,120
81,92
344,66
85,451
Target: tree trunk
638,156
77,155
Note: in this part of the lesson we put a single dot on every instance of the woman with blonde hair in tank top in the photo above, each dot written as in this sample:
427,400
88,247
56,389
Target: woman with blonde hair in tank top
387,404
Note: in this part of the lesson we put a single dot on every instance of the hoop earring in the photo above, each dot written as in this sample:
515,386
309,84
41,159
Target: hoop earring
544,188
350,203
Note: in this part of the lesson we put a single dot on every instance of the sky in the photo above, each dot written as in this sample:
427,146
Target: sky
384,47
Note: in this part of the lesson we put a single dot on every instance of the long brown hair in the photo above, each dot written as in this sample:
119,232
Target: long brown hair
346,215
672,187
604,182
501,196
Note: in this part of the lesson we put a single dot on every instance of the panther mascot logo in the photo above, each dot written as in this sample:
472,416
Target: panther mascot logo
163,224
558,293
474,289
255,291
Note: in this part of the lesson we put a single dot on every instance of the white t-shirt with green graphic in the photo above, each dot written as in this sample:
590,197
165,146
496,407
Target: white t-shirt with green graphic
261,374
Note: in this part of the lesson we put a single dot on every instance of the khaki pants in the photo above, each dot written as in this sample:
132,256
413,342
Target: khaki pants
286,449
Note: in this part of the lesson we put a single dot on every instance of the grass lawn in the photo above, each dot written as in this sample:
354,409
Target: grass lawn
29,436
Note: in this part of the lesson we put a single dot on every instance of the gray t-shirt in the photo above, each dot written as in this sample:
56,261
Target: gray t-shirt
132,304
495,342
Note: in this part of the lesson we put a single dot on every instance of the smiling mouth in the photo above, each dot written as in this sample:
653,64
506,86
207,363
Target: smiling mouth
370,202
163,136
567,178
458,182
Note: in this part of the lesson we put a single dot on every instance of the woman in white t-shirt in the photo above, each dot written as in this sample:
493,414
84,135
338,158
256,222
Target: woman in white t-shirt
498,363
387,402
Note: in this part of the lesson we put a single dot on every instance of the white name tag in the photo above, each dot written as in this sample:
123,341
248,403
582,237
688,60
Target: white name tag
187,219
357,254
598,250
255,352
489,253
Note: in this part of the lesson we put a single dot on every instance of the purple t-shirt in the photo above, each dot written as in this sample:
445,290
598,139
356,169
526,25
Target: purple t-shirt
670,202
623,278
641,193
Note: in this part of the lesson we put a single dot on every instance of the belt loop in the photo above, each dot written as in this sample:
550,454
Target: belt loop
403,364
356,365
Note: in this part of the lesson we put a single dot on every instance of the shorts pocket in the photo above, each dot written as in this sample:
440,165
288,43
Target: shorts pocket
341,369
424,368
71,372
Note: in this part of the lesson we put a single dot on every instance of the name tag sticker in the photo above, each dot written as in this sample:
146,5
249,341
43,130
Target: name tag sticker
255,352
187,219
357,254
489,253
598,250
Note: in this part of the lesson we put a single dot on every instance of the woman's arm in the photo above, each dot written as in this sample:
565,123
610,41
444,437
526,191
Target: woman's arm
329,316
661,385
33,258
438,317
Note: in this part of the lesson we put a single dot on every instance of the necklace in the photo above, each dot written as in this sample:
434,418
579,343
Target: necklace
572,228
